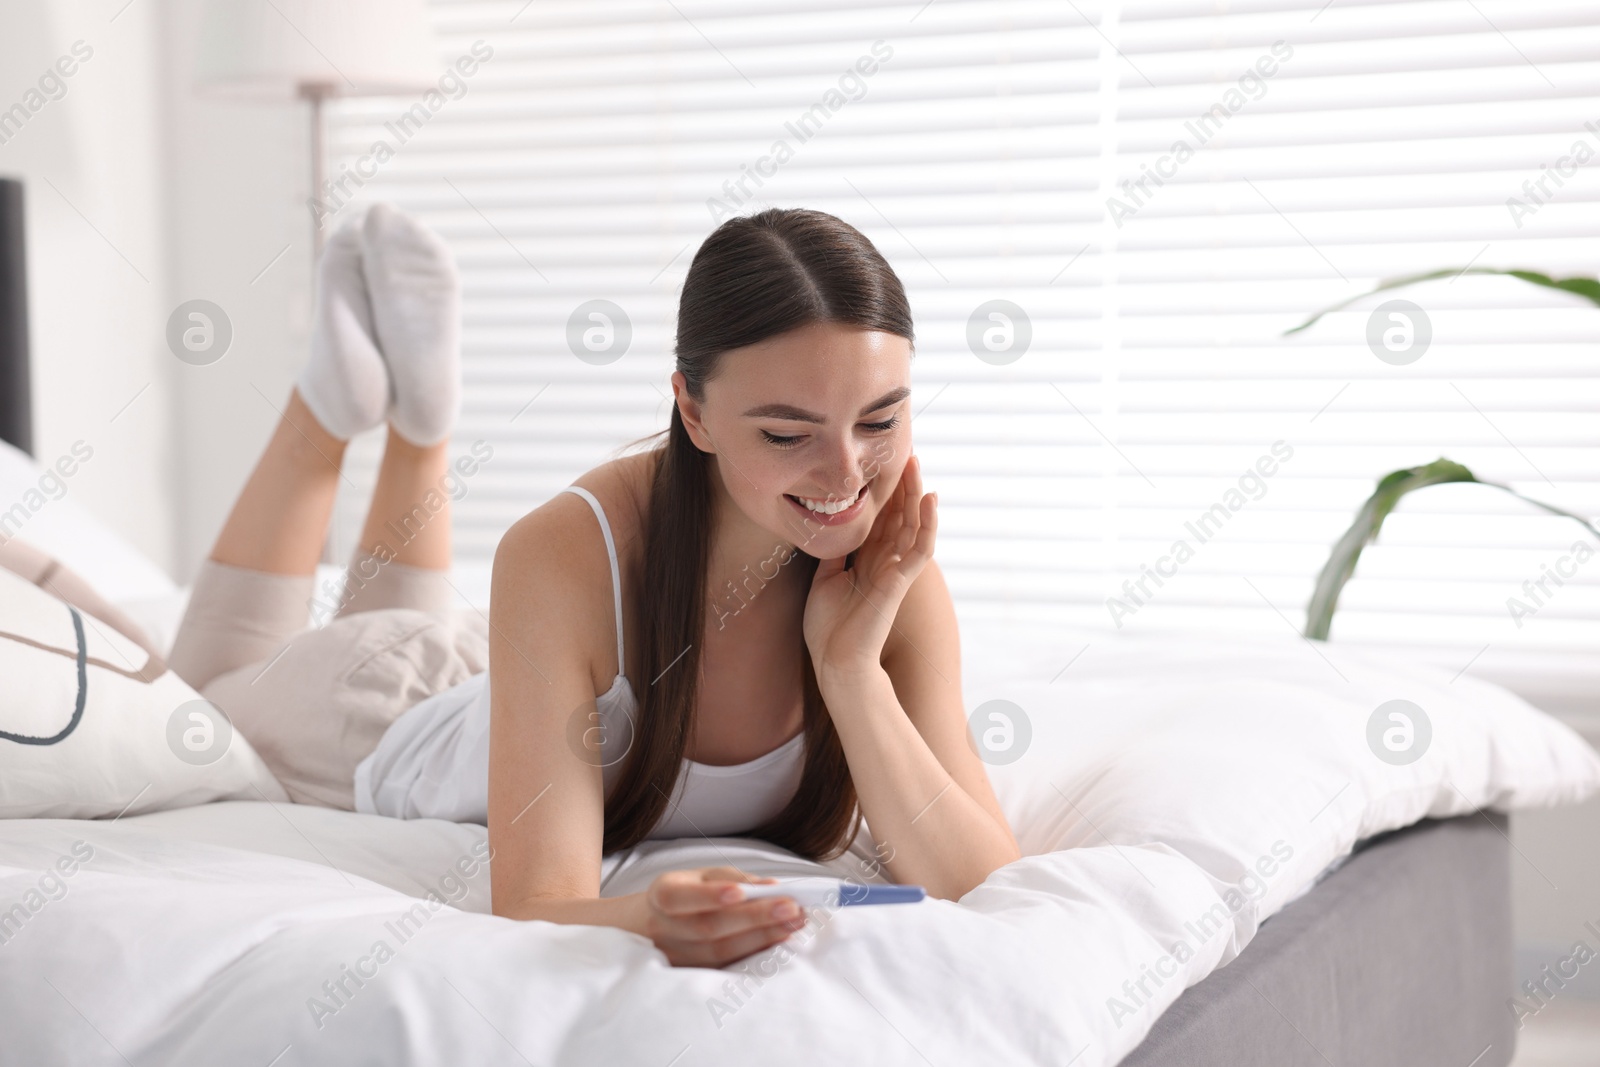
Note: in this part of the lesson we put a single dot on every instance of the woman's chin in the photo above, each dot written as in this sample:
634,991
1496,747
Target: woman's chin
833,542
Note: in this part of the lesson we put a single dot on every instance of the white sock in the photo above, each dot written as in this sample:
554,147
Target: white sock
416,308
345,382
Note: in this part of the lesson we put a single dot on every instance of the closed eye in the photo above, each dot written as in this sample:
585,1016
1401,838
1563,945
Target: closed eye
790,442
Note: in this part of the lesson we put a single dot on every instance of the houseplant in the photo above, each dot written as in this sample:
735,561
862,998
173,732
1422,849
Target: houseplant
1396,484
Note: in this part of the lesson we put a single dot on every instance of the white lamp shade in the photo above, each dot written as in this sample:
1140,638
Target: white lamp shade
274,49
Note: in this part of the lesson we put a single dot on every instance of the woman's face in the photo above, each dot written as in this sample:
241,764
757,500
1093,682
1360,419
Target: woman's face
804,424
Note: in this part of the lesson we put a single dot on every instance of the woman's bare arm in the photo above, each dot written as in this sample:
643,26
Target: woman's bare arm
887,655
546,802
922,788
546,788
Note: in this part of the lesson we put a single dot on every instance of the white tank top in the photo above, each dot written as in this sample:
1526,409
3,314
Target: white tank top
433,761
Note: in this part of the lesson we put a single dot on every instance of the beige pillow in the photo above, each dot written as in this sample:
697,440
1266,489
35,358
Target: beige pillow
93,725
62,582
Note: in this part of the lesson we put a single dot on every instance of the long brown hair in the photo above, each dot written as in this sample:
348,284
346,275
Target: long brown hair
754,277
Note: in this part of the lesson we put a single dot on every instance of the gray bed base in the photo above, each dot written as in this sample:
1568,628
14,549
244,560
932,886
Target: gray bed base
1401,957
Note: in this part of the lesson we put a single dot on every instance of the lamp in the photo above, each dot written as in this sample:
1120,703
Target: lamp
266,50
313,50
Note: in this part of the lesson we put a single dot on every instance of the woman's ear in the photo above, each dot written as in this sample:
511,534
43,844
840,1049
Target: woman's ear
689,411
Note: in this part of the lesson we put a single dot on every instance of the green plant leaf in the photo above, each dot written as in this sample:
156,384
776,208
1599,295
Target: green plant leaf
1369,520
1588,288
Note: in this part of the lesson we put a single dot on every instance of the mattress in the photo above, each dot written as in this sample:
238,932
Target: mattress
1370,967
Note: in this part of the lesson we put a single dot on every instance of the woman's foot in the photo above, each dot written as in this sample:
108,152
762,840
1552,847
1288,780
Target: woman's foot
345,383
416,310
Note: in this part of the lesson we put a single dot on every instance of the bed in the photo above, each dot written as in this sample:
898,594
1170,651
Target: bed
214,931
1216,870
1369,967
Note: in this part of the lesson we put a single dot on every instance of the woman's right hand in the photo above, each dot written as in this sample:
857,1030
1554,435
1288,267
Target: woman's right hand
688,919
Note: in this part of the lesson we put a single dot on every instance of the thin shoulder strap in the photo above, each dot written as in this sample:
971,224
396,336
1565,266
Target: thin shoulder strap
616,573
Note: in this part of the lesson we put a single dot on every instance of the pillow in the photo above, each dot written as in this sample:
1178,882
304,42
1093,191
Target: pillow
37,506
64,583
92,725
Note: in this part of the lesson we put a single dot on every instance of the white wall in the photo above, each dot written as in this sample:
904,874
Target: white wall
241,238
1555,886
163,197
93,165
235,177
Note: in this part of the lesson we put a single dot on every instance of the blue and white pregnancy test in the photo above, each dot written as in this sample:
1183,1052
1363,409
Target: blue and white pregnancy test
838,894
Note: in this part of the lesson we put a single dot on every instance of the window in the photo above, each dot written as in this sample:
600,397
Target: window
1161,189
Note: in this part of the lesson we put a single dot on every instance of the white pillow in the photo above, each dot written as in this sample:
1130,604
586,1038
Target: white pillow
39,508
84,735
1261,760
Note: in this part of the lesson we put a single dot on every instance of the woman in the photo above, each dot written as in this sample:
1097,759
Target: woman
775,653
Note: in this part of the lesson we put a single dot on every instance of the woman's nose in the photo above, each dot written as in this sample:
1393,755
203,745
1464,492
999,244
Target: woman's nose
842,467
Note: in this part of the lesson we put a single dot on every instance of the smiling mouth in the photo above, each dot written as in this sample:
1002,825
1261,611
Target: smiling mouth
828,507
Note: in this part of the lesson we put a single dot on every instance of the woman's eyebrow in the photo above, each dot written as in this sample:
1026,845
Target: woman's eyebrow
794,414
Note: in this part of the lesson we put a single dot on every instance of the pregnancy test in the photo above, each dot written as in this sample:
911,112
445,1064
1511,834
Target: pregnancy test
837,895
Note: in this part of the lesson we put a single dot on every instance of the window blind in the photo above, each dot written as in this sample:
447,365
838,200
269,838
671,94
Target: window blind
1141,197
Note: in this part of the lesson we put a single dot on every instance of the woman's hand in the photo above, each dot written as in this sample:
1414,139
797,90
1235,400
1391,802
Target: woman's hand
849,612
689,919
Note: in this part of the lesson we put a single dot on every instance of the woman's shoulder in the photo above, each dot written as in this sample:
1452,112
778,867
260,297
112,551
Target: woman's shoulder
565,524
552,562
622,486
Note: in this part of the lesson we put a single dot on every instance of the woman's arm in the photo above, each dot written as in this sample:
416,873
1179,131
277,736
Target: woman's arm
625,912
546,788
887,656
922,788
546,803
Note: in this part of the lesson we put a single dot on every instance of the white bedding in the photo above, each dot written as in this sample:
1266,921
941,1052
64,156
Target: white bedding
1163,782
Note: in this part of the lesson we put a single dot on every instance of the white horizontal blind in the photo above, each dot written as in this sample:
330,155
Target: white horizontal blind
981,156
1387,139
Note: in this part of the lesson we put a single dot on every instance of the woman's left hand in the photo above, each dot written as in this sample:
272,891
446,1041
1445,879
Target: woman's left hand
849,612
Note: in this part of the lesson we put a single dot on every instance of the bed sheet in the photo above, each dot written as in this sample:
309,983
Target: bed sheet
165,949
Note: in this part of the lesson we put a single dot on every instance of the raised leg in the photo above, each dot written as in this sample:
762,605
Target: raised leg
404,558
281,517
255,590
410,510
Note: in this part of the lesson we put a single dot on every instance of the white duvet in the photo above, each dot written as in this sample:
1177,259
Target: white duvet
1172,795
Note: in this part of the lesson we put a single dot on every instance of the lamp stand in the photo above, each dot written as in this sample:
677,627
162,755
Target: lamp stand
316,94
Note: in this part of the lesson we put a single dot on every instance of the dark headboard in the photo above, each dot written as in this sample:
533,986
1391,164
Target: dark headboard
16,393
